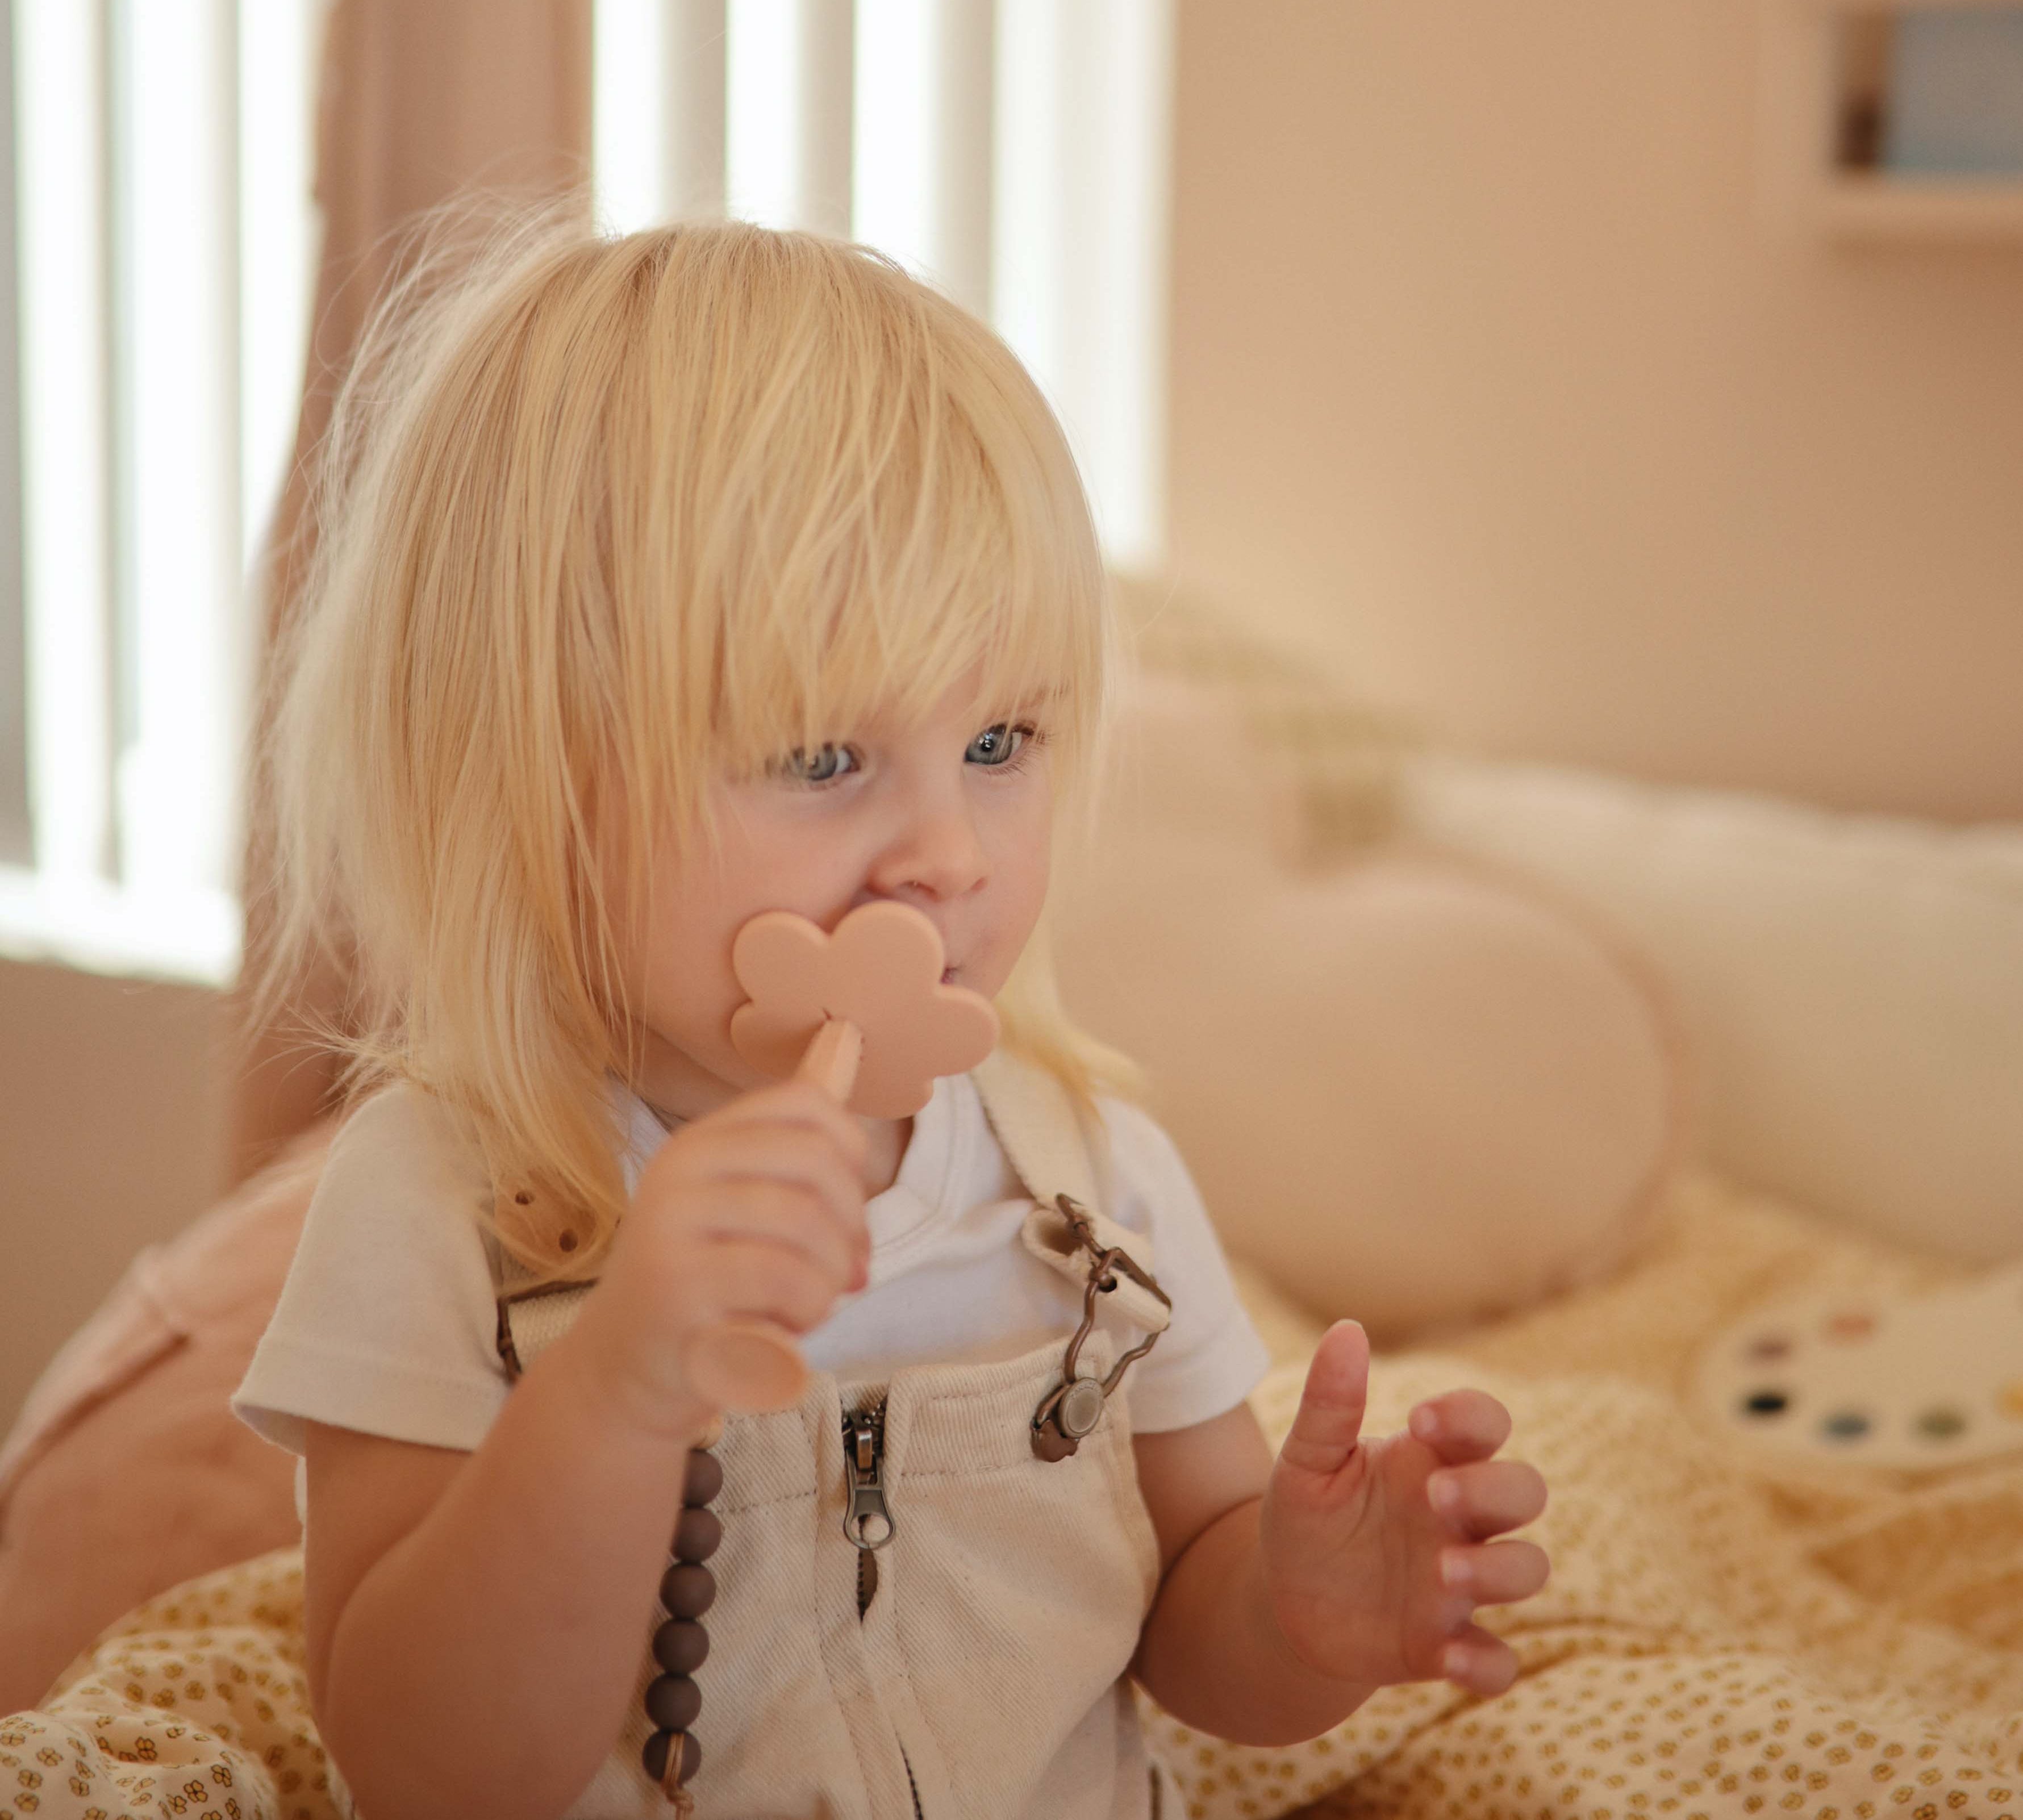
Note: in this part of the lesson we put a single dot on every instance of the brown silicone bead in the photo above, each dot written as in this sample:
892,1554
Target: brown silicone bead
673,1702
705,1477
654,1757
681,1645
687,1590
696,1535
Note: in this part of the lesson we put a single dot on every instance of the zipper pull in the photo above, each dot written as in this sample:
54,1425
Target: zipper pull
868,1522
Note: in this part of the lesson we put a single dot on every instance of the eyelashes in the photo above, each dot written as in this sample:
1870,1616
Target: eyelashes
823,764
1004,747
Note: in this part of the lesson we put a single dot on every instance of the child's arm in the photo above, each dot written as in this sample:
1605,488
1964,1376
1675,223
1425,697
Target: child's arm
1292,1589
476,1621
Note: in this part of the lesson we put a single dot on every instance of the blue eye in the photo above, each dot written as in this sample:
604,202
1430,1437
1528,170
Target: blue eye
825,764
997,745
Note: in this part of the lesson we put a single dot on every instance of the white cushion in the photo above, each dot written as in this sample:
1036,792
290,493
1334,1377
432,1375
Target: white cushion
1413,1091
1852,986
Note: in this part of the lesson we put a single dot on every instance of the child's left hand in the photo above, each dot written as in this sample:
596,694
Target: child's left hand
1376,1553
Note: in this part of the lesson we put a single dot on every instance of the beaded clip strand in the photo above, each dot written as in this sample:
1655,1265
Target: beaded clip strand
671,1755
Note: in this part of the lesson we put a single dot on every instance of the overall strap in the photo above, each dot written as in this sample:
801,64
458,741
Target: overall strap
1049,1141
532,1316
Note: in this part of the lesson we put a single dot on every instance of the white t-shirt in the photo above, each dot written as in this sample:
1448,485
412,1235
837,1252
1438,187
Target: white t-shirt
387,1323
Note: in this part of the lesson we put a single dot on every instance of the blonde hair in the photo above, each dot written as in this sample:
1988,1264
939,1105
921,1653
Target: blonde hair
600,517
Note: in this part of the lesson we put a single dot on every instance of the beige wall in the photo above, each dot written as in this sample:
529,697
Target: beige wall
111,1135
1491,381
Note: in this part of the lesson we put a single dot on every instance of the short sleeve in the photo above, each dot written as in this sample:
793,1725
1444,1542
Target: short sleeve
1210,1359
386,1323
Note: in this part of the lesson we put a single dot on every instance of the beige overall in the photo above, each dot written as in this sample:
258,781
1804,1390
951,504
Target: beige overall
984,1678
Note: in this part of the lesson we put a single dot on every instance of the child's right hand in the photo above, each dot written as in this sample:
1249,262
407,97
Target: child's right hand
754,1211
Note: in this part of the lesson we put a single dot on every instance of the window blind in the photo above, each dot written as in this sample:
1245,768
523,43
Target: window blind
157,239
160,269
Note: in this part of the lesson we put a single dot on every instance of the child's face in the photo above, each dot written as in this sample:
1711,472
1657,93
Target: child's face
953,814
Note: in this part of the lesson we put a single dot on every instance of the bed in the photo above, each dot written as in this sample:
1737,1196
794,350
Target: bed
1567,1082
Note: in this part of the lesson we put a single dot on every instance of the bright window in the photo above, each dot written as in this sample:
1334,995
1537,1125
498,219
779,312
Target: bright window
161,264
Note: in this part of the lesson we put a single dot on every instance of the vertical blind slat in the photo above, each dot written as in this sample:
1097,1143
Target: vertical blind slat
693,140
16,843
1079,252
892,142
963,127
825,111
1028,184
787,112
762,91
627,54
1123,384
60,95
277,252
176,317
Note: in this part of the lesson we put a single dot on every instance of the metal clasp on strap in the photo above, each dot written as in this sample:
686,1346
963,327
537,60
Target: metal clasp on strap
1074,1406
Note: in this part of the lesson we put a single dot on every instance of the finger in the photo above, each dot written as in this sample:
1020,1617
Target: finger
795,1104
741,1279
1475,1660
793,1156
1496,1572
1488,1497
801,1102
1330,1420
1461,1425
788,1214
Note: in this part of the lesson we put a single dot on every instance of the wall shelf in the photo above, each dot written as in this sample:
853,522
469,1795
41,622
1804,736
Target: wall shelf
1851,207
1807,183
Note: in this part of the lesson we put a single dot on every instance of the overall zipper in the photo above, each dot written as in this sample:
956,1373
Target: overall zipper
868,1521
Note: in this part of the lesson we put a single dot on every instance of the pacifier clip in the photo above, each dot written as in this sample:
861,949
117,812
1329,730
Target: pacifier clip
1071,1410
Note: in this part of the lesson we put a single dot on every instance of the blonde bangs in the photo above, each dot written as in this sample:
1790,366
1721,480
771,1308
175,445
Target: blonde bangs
860,506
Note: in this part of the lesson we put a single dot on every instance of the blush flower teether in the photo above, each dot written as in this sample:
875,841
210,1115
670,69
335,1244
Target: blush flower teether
862,1013
881,972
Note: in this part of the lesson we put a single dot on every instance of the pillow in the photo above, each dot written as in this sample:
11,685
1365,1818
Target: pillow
1414,1091
1853,984
126,1472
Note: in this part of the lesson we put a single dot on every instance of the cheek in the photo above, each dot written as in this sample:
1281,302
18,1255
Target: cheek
1025,866
682,977
760,863
679,955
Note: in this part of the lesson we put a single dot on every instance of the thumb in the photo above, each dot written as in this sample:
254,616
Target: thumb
1324,1432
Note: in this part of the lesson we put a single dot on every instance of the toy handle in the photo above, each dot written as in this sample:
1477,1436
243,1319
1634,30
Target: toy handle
754,1365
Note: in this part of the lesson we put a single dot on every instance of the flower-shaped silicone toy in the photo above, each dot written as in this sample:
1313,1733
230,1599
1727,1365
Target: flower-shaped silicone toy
862,1013
881,972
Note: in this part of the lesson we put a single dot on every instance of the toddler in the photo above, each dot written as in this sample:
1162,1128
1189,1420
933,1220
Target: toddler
664,580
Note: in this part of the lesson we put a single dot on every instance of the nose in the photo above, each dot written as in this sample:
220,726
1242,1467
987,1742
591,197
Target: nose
934,849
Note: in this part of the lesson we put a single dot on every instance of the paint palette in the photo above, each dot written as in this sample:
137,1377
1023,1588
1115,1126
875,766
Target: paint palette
1897,1381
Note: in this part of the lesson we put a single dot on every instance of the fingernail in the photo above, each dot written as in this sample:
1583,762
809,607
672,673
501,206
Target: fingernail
1445,1493
1424,1423
1454,1571
1453,1661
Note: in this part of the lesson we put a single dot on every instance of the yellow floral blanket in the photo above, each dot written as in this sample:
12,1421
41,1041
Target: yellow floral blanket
1722,1635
